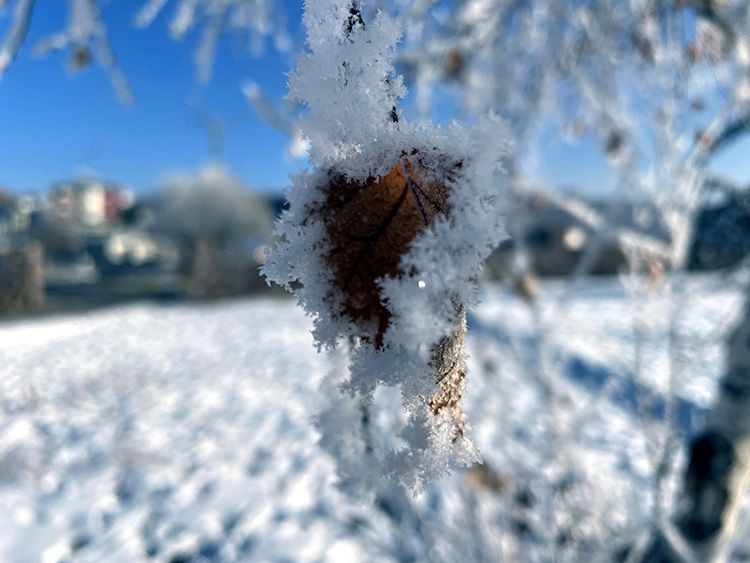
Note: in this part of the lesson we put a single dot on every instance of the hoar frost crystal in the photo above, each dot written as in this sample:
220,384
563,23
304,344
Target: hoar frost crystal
382,243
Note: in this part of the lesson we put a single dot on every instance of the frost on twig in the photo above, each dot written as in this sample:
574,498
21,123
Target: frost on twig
86,37
16,34
382,242
257,19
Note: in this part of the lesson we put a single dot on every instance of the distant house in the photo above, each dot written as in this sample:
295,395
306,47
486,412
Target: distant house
82,202
89,203
133,250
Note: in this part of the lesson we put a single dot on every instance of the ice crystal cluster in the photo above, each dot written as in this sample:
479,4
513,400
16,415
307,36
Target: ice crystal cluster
382,243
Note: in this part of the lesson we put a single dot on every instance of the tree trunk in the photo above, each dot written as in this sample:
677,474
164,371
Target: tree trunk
33,299
22,279
716,477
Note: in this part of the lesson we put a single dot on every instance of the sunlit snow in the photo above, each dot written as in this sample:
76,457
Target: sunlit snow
184,432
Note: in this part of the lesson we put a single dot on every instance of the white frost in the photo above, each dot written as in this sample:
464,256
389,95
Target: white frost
348,85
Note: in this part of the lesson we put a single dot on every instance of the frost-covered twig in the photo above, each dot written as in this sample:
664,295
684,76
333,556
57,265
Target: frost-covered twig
718,471
16,35
86,33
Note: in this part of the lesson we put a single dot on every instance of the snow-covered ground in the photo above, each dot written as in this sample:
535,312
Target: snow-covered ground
183,433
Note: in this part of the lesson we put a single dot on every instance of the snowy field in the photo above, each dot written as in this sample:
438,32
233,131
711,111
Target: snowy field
183,433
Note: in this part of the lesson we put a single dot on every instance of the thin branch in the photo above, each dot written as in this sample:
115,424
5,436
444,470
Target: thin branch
710,145
17,34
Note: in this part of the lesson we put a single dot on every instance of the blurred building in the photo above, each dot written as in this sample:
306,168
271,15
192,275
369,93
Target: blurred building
552,234
88,203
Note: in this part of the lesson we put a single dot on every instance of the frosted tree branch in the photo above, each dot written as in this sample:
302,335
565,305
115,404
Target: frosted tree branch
252,19
16,35
86,36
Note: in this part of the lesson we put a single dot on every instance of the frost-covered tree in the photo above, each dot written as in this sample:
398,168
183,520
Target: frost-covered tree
662,86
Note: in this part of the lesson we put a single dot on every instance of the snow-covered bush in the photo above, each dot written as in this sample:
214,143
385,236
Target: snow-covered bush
216,217
212,205
382,244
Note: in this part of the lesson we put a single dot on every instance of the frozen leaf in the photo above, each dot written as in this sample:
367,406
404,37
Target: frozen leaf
370,225
382,243
251,20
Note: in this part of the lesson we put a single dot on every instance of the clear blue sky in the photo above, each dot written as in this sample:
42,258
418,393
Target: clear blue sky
55,126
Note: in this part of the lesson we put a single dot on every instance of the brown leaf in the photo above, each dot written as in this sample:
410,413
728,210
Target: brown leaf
371,224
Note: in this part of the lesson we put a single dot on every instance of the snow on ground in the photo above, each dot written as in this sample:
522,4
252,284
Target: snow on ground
182,433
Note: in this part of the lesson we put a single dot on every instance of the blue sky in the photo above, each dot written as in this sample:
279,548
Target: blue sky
55,126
